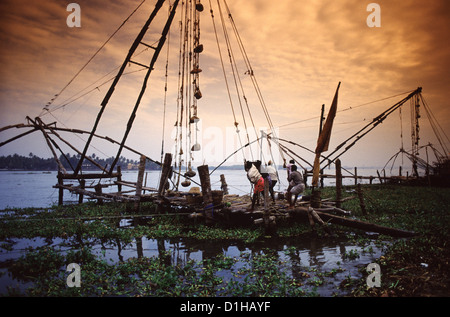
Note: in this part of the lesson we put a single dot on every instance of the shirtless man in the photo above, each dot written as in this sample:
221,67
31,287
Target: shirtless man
296,185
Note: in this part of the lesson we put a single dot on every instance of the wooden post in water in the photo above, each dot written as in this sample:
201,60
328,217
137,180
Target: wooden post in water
321,178
61,190
80,195
379,177
305,177
224,185
356,176
140,180
205,182
98,191
338,183
119,178
315,199
361,200
165,173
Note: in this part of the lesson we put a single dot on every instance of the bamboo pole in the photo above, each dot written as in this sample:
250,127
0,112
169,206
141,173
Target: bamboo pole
361,200
203,173
165,173
357,224
49,143
140,180
119,178
338,183
224,185
82,187
158,49
61,190
379,177
108,95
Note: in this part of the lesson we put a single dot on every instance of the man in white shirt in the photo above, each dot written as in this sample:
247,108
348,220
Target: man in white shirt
273,178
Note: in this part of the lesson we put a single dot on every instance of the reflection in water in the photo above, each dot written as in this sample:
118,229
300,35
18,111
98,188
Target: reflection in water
296,256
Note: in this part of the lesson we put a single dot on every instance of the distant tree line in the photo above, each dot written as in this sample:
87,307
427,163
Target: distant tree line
35,163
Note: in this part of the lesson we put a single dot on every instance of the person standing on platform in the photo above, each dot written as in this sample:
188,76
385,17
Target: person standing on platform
296,186
273,179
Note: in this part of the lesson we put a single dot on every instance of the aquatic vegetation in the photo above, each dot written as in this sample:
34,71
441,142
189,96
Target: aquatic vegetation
406,264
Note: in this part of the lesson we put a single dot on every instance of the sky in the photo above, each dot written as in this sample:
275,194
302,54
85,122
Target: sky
299,51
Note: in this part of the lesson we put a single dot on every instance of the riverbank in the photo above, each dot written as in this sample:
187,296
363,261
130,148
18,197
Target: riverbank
86,234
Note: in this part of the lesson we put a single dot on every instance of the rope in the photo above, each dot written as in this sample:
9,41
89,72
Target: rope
347,109
165,94
436,127
88,62
236,76
250,72
224,74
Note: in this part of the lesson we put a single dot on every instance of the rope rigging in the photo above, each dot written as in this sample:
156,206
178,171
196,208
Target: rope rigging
189,94
46,107
238,83
188,89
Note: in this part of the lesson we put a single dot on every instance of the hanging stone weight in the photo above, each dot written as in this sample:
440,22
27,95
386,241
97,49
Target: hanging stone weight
190,173
194,119
198,49
196,147
198,94
196,70
199,7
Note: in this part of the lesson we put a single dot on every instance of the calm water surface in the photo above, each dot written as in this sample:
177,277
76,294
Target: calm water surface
21,189
313,255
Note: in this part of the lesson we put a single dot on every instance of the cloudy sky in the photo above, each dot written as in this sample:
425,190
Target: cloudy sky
299,52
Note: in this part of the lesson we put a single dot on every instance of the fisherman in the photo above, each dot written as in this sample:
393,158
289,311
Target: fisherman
288,169
296,185
255,177
272,177
288,166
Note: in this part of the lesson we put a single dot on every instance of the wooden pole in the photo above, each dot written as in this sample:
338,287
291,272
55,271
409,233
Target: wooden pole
361,200
167,166
379,177
49,141
305,177
356,176
119,178
357,224
322,118
268,222
338,183
140,180
98,192
71,146
321,178
108,95
315,199
80,195
317,218
61,190
205,183
224,185
158,49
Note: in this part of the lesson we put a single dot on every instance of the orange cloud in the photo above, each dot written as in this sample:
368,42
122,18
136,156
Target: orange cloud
299,51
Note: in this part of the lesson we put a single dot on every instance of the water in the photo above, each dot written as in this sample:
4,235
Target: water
21,189
312,256
34,189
